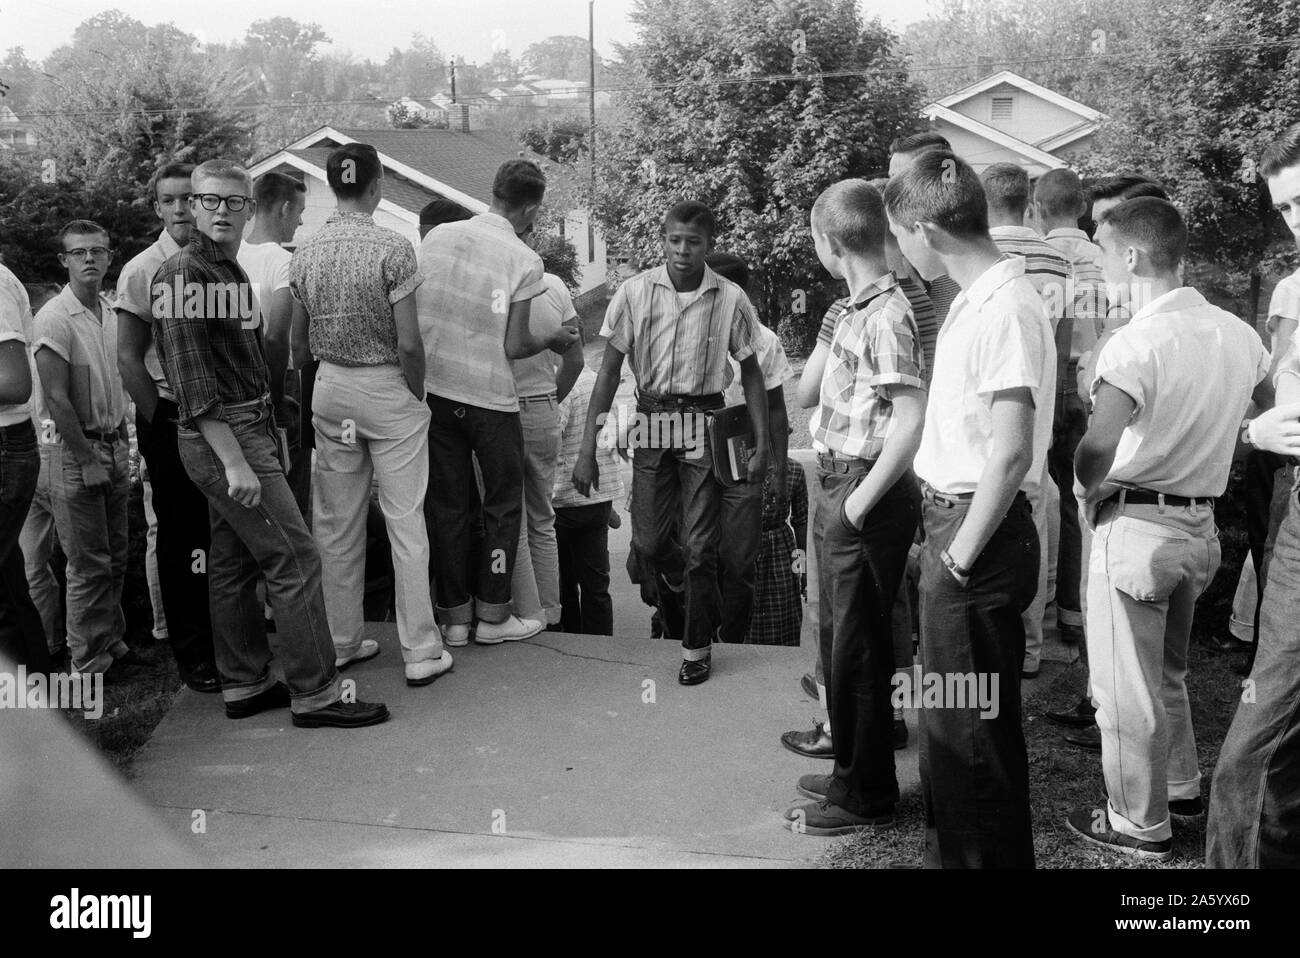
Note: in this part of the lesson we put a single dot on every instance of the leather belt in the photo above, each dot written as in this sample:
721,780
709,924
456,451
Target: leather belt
837,462
102,436
949,500
1148,497
543,397
678,401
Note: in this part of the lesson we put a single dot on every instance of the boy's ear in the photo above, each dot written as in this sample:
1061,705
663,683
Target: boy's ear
931,235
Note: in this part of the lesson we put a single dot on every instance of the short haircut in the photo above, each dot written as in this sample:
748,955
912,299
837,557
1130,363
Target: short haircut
222,170
519,182
272,189
1006,187
1127,186
691,213
351,168
169,171
1281,153
852,212
941,189
730,266
1060,193
437,212
1153,224
80,228
879,182
916,142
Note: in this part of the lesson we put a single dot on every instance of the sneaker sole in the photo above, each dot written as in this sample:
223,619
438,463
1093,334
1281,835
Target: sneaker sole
1122,849
428,680
341,664
840,829
507,638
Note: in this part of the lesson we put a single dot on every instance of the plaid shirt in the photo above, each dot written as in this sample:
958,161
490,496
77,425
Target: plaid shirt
678,349
208,360
348,275
876,345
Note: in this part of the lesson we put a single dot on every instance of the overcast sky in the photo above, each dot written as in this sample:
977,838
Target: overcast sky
369,28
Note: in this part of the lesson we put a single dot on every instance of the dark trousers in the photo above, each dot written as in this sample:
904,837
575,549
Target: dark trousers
974,767
582,538
1262,517
741,516
859,575
22,637
184,538
1071,424
455,431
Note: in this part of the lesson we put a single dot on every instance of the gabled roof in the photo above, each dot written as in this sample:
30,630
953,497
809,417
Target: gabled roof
312,162
1029,86
1030,152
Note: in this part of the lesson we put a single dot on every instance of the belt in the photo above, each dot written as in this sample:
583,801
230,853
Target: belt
679,401
113,436
17,430
541,397
837,462
1148,497
948,500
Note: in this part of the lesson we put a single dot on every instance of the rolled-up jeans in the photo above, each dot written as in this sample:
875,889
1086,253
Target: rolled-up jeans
269,539
1254,819
91,526
539,418
37,542
370,426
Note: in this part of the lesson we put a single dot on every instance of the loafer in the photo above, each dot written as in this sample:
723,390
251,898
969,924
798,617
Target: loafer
823,818
814,744
814,786
202,678
276,697
1088,737
809,686
1187,807
1070,634
456,636
693,673
342,714
900,735
511,630
1093,825
368,649
423,673
1081,716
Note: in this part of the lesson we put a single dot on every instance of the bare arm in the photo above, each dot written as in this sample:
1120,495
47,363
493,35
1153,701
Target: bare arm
134,337
298,337
571,364
809,390
410,346
276,339
751,377
586,474
896,458
15,373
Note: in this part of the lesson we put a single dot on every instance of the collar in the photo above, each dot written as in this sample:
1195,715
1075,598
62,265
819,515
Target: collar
73,306
877,287
1014,232
205,248
168,245
1068,233
992,279
349,215
710,281
1174,301
496,221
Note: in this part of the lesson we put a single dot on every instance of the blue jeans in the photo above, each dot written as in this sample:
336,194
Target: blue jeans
1254,819
22,639
270,539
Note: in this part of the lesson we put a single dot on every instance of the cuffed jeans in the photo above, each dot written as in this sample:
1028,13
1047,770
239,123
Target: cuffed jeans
860,574
539,418
741,515
92,532
268,540
1060,463
455,431
975,767
1149,564
22,638
369,426
582,535
37,542
1254,819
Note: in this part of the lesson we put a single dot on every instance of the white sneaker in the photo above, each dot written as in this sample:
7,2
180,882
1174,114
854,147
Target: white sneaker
368,649
455,636
422,673
511,630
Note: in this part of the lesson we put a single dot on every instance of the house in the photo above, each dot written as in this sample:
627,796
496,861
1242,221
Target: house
15,134
421,166
1005,118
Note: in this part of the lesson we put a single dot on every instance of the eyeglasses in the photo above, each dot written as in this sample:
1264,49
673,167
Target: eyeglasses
212,201
95,252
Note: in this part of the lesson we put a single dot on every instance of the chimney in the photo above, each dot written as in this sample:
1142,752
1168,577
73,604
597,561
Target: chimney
460,117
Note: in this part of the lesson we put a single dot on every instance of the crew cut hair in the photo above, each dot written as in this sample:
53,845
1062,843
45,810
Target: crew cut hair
351,168
942,189
1060,193
273,189
852,212
691,213
1154,225
1006,188
221,170
518,183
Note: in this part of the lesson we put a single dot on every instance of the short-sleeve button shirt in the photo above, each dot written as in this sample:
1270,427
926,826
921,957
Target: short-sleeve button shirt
88,344
134,295
15,325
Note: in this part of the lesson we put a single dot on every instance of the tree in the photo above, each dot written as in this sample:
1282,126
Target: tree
501,67
19,78
420,70
560,139
703,122
559,58
283,51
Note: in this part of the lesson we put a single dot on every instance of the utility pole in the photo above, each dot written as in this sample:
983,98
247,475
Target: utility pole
591,125
452,64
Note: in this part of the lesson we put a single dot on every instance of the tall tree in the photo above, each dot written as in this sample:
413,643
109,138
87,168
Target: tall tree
559,58
704,121
283,51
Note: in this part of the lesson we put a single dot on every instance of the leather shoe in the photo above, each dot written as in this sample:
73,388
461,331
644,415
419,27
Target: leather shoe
1081,716
693,673
823,818
1088,737
276,697
202,678
342,714
1225,644
814,786
814,744
809,686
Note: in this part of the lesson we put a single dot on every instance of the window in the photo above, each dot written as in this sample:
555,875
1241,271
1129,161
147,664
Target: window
1002,107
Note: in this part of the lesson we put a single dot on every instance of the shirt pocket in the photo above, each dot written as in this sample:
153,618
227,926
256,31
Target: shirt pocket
1145,565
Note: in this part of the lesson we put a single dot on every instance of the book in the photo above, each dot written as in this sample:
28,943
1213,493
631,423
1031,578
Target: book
731,441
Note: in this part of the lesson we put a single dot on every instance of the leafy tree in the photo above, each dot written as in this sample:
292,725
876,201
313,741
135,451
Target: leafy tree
19,78
559,257
420,70
702,123
283,51
560,58
560,139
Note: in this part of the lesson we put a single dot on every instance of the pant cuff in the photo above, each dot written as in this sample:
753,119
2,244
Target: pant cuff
695,655
1152,833
330,693
457,615
493,612
239,693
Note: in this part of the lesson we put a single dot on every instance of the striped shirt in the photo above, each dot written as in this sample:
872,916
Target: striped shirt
1089,299
134,296
572,422
1046,268
826,335
678,347
875,346
473,272
942,290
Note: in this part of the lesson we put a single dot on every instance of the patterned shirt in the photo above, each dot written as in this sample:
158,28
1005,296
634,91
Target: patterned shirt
348,275
1046,268
678,344
16,325
474,271
88,344
572,423
134,296
826,335
1089,300
942,290
876,346
209,342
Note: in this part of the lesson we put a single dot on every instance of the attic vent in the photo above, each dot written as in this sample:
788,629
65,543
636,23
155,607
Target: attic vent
1002,107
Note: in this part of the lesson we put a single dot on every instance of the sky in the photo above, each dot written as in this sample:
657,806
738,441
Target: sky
367,28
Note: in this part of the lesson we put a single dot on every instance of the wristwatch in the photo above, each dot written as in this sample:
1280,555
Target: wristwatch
962,574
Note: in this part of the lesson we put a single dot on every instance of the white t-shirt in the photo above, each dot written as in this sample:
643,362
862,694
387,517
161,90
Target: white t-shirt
15,324
535,376
1285,304
135,295
997,337
1191,368
772,362
267,265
